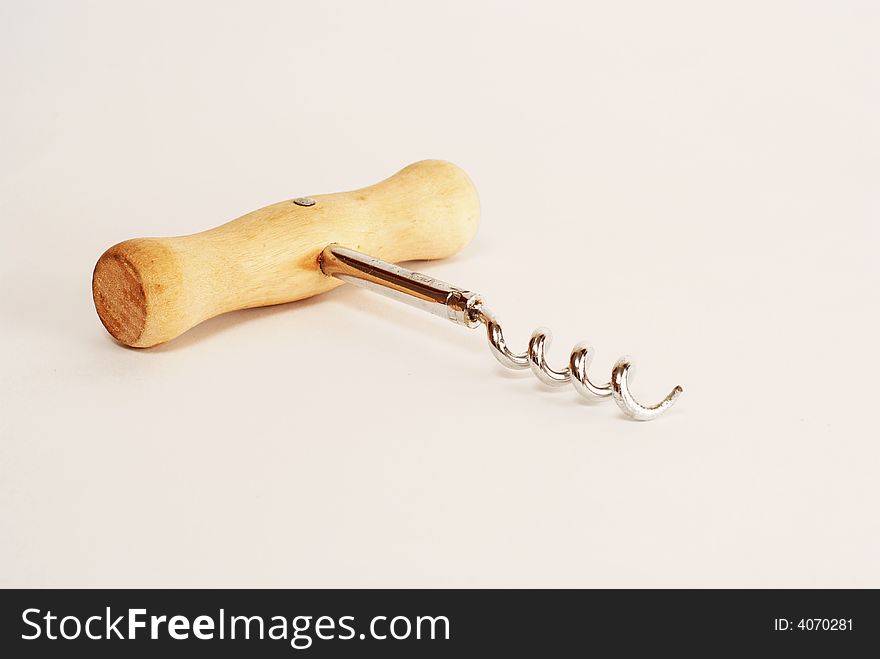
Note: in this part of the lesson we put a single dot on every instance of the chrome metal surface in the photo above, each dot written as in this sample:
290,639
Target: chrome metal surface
466,308
625,400
575,372
304,201
413,288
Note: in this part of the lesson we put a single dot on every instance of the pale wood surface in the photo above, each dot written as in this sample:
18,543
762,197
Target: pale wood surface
150,290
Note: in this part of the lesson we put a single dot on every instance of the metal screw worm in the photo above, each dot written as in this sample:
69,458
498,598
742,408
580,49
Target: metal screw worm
576,371
466,308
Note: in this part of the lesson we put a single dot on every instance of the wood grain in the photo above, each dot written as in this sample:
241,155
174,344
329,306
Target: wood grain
150,290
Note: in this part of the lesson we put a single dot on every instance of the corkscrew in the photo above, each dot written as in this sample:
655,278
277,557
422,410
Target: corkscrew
150,290
467,308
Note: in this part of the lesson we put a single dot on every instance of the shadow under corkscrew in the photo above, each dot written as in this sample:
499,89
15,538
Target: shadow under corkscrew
575,372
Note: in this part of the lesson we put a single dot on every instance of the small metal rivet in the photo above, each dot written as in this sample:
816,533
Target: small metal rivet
304,201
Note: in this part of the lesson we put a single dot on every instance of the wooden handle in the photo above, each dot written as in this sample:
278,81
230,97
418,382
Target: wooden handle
150,290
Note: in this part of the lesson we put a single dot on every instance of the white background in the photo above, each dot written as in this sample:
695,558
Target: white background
692,183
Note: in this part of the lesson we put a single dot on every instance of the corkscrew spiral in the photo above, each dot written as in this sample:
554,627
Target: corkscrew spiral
576,371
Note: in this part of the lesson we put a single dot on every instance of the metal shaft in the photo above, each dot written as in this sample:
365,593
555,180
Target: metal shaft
413,288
